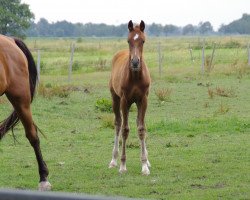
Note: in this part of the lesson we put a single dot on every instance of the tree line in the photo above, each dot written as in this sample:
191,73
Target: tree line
67,29
16,19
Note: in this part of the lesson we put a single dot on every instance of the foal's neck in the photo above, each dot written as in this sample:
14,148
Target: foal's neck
135,75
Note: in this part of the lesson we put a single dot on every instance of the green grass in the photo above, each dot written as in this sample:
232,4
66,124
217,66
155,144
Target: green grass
198,146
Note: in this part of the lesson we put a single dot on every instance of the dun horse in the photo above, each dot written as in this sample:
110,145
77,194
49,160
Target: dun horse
129,83
18,76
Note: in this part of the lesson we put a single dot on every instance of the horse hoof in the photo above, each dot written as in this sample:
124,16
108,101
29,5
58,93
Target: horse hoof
145,171
122,169
44,186
112,164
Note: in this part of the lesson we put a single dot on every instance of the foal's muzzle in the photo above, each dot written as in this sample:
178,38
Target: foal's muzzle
135,64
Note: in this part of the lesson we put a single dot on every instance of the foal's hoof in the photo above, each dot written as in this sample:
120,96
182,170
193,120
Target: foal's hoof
145,171
112,164
122,169
44,186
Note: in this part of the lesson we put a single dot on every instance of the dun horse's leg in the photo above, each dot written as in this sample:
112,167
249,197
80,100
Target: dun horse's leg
125,132
22,107
116,110
142,107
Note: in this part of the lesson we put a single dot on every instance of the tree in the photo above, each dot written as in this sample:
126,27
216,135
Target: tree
15,17
43,27
155,29
171,30
240,26
63,29
205,28
189,30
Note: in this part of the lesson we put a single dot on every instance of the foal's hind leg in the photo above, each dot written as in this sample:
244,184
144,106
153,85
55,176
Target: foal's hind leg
116,110
21,104
142,107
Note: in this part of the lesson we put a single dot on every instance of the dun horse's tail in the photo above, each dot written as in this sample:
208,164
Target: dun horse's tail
13,119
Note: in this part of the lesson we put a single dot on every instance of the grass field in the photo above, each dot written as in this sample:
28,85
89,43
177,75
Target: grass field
198,124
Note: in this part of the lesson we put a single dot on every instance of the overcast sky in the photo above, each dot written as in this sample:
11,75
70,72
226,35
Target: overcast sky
176,12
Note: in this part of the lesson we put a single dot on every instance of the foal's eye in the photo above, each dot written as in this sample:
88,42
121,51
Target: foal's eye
128,42
143,42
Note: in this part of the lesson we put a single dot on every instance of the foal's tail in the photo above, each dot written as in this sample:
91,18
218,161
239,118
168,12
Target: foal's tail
13,119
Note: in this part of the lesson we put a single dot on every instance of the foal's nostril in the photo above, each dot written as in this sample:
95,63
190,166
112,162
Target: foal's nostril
135,62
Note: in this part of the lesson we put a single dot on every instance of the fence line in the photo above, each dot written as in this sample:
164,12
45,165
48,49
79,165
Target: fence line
191,52
248,50
212,57
161,47
203,57
160,58
71,60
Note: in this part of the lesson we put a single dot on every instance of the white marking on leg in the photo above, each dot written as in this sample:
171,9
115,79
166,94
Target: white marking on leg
145,169
144,158
136,36
113,163
115,153
123,168
148,163
146,152
44,186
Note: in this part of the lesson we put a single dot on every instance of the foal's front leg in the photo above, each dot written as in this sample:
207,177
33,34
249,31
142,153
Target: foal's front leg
125,132
142,107
116,110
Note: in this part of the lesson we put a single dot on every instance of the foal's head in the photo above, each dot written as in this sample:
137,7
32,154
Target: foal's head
136,39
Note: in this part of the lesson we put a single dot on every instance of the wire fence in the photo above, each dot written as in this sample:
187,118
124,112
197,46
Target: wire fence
97,56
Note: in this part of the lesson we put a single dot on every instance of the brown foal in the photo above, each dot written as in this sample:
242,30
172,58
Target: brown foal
129,83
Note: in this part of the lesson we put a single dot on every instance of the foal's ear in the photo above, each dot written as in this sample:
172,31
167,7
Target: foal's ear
142,26
130,26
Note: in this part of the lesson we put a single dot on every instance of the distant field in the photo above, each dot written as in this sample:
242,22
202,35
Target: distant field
198,124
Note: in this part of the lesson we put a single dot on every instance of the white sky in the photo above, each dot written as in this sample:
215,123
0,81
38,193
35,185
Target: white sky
176,12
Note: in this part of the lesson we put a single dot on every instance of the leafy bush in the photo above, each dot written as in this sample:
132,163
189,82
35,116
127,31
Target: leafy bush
104,105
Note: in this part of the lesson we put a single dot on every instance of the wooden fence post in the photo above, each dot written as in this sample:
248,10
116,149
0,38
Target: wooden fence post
212,57
248,50
38,65
160,58
72,46
191,53
203,57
